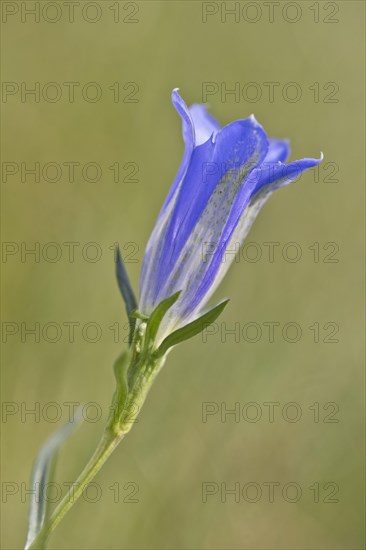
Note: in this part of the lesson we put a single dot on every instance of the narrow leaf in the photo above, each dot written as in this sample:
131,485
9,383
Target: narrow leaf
190,330
157,316
126,291
138,315
120,367
42,472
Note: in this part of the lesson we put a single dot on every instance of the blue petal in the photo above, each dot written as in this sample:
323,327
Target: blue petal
279,150
203,209
225,178
249,202
281,173
153,250
188,132
197,127
236,145
237,150
205,125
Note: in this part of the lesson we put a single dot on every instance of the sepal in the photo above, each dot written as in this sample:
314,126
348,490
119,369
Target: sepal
157,316
191,329
136,368
126,290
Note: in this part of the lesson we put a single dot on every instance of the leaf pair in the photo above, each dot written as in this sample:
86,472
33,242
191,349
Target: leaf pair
186,332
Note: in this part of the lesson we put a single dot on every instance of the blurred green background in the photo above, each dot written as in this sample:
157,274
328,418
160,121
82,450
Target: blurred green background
171,452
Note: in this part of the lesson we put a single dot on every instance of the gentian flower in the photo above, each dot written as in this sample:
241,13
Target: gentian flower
226,176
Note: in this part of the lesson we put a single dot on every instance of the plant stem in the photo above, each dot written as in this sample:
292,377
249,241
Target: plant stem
128,399
108,443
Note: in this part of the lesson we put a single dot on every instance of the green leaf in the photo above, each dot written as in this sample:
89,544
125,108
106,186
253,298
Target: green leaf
138,315
120,370
120,367
157,316
43,469
126,290
190,330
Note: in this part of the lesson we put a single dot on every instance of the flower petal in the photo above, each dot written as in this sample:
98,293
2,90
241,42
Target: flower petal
188,132
225,177
278,151
281,173
153,248
216,167
203,208
205,125
242,216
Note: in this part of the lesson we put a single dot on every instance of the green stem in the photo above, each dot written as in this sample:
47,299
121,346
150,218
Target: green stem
105,448
126,405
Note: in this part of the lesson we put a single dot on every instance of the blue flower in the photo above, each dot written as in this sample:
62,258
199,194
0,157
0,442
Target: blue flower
226,176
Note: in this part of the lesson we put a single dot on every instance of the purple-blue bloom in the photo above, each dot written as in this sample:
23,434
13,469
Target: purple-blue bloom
226,176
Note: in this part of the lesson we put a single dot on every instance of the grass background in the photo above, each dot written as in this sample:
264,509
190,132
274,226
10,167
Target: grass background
171,452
